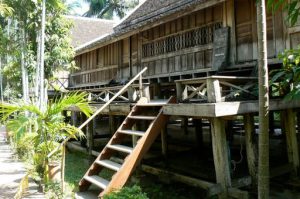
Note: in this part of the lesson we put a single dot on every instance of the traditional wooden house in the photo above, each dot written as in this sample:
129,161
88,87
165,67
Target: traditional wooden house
202,51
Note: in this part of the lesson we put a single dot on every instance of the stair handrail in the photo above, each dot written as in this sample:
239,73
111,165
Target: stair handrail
139,75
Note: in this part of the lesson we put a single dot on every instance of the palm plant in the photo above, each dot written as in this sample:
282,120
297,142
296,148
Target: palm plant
107,8
45,128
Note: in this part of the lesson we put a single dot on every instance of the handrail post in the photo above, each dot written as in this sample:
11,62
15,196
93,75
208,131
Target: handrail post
141,86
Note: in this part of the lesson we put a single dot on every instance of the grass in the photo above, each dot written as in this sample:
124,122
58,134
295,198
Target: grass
78,163
76,166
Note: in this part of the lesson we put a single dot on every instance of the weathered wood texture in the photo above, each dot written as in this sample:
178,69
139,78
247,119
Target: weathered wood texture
251,148
289,121
220,153
222,109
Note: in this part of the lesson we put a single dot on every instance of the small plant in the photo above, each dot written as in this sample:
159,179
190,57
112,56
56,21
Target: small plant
286,80
134,192
53,190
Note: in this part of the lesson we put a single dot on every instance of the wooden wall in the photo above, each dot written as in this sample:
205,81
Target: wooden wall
184,45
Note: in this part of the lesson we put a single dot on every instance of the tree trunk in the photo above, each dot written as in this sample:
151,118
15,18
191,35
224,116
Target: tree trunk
43,102
23,67
263,156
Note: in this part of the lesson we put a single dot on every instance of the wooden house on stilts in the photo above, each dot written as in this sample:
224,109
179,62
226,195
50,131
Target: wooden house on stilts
204,53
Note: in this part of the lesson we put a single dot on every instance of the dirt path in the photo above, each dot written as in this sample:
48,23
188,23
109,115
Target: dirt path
11,170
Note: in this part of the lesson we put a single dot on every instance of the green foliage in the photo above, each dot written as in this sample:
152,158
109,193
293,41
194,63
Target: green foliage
286,80
107,8
53,190
134,192
292,7
26,17
5,10
47,127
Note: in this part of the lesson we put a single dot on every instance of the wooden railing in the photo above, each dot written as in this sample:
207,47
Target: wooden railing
62,145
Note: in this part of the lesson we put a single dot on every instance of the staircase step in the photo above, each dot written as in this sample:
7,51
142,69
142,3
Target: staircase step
154,103
97,180
132,132
121,148
141,117
109,164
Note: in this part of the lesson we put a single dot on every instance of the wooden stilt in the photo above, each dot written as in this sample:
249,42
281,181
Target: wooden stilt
251,148
164,145
184,124
220,152
156,91
291,139
90,138
198,132
111,122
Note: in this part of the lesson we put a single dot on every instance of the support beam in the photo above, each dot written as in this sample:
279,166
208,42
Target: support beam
156,91
111,121
291,139
211,188
251,148
198,132
164,144
220,153
90,138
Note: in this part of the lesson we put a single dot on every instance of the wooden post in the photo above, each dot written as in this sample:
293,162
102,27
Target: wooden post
164,145
220,153
90,138
156,91
132,95
251,148
134,137
63,161
111,122
198,132
184,124
146,92
213,90
181,91
74,118
291,139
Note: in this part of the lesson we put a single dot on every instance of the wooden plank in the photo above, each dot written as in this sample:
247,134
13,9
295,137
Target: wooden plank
211,188
239,194
220,153
251,148
225,108
241,182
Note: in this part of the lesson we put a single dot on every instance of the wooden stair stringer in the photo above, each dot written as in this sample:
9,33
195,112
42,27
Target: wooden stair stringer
143,145
105,153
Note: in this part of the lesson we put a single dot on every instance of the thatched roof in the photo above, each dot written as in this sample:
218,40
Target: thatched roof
144,14
88,29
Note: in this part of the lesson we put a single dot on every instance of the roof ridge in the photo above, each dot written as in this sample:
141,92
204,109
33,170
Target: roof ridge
91,19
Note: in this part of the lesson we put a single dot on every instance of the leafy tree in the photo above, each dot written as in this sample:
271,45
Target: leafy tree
58,50
292,7
107,8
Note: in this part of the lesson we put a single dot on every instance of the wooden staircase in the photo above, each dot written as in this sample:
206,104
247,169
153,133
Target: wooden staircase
130,142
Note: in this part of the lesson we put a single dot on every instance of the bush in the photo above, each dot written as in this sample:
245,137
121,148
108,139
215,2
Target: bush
134,192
